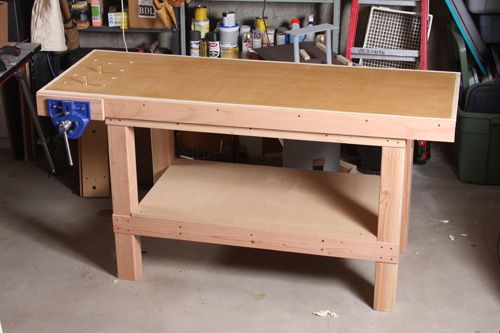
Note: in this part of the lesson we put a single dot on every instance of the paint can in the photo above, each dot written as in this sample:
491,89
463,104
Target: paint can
201,26
229,35
279,32
213,45
229,52
194,43
280,38
270,37
200,13
229,18
261,23
244,29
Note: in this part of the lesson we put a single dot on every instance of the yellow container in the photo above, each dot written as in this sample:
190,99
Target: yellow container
201,26
230,52
200,13
260,25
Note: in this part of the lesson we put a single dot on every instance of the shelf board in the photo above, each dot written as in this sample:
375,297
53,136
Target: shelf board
265,199
129,30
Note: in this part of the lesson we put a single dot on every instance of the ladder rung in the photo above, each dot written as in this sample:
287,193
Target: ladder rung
361,52
409,3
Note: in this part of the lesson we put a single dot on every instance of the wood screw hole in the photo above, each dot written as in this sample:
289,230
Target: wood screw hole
298,116
252,241
322,241
439,125
321,249
380,257
143,105
366,120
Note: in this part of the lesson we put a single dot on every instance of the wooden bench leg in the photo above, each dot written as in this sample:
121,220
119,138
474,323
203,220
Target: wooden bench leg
405,222
122,167
163,151
392,176
128,256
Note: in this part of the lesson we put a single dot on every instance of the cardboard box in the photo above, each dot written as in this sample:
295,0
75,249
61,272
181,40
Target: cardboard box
3,23
141,14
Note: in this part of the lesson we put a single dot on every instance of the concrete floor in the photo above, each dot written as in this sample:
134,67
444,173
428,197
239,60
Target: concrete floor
57,269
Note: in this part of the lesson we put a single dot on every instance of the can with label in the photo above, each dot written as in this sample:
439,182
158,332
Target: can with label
213,45
261,23
280,38
256,40
200,13
194,43
246,44
269,37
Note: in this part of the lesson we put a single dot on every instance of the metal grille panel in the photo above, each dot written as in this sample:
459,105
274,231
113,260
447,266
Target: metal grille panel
392,29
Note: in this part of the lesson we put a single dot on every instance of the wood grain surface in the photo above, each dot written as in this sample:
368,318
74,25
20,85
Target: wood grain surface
261,83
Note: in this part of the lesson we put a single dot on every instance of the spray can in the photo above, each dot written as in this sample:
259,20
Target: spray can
195,39
213,45
246,44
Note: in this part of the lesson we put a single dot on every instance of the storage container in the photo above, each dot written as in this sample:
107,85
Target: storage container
478,135
483,6
489,27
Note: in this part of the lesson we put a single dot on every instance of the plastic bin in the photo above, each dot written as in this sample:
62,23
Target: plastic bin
478,148
489,28
484,6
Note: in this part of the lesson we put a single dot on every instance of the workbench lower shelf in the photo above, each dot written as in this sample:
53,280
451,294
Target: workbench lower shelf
313,212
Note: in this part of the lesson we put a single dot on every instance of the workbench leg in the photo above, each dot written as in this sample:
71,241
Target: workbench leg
122,168
392,176
405,222
163,151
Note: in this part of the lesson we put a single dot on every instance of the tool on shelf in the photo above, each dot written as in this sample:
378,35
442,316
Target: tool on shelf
70,118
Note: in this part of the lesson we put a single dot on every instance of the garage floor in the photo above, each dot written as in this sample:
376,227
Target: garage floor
57,269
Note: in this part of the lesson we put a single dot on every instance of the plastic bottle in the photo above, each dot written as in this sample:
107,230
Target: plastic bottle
96,8
310,23
295,25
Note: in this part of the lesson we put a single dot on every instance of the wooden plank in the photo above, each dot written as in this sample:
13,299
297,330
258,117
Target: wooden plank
253,237
405,220
321,87
303,202
163,151
124,196
94,162
392,176
279,118
316,137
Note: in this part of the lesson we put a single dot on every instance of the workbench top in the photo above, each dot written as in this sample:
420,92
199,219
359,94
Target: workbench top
252,85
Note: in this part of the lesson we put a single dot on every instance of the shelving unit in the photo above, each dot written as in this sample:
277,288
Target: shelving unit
321,213
128,30
336,19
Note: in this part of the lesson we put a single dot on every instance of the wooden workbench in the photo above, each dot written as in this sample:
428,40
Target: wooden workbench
321,213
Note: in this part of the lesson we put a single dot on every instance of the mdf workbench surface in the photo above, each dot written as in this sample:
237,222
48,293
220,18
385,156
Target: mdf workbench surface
321,213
